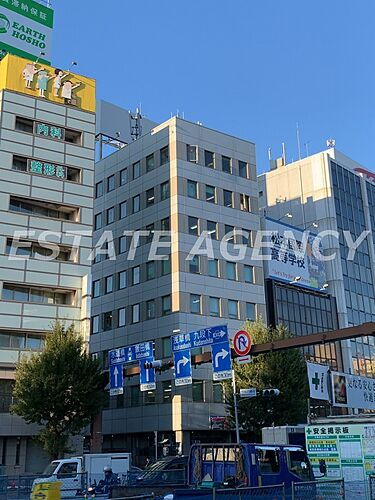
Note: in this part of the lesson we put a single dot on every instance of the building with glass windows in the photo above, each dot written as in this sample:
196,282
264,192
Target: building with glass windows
47,138
187,179
329,192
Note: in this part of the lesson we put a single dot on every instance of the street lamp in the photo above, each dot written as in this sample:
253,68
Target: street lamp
296,280
324,287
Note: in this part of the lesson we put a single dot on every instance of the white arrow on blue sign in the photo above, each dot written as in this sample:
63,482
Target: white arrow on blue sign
116,380
147,376
200,338
221,361
182,367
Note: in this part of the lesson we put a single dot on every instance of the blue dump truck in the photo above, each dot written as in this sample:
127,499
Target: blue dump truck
229,466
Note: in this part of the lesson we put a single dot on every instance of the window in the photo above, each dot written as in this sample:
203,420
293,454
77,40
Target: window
242,167
167,391
164,224
210,194
150,397
123,244
43,209
229,233
166,305
150,197
248,274
150,270
166,266
166,348
164,155
209,159
250,311
95,324
195,303
28,248
123,176
107,320
136,204
226,164
218,392
150,162
295,461
109,284
136,275
150,309
214,306
19,163
98,224
122,316
268,460
231,270
212,229
110,183
68,470
193,226
110,215
123,209
164,191
135,313
233,309
228,198
194,265
96,288
247,238
99,189
24,125
136,170
122,280
213,268
192,189
197,390
73,136
135,395
150,228
245,202
192,153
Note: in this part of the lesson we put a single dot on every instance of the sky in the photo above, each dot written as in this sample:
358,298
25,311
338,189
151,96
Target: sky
250,68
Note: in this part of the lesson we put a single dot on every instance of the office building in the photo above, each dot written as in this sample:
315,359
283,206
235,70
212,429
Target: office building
183,178
47,139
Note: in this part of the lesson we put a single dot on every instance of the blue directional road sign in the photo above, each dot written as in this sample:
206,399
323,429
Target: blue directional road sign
200,338
182,367
130,354
147,376
221,361
116,380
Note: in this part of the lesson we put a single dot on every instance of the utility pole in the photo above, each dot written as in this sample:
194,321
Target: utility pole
235,407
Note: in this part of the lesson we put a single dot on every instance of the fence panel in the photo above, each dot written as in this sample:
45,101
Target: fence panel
275,492
327,490
372,486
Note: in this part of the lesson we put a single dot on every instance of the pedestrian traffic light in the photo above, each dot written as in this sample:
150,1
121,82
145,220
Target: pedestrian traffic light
271,392
156,363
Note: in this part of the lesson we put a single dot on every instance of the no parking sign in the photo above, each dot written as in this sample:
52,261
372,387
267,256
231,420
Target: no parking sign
242,343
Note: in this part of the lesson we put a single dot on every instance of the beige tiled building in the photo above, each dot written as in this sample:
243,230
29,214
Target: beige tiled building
46,194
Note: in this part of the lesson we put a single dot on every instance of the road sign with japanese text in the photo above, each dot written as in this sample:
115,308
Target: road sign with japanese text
147,376
182,367
221,361
116,380
131,353
200,338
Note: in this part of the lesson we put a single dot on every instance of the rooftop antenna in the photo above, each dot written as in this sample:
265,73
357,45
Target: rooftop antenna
283,152
298,142
136,128
39,56
331,143
269,154
306,144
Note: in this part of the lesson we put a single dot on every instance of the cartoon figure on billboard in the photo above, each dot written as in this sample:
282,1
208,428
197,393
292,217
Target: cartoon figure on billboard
42,82
339,384
67,89
29,72
57,80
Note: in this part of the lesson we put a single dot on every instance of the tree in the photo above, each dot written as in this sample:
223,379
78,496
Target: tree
284,370
60,389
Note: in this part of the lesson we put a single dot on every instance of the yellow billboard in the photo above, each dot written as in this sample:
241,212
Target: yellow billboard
53,84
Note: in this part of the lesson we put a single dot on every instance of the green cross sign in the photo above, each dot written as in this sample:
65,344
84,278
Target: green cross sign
316,381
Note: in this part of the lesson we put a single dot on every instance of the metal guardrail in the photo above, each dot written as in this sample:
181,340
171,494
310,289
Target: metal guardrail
327,490
266,492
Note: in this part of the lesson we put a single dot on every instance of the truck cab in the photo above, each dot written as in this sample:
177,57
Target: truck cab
241,465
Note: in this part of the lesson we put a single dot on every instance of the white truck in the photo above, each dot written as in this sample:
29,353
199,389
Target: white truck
78,473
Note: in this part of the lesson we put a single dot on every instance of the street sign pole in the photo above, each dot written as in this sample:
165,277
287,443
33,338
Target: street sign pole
235,407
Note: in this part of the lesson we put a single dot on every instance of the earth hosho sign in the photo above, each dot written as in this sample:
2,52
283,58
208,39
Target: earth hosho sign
26,29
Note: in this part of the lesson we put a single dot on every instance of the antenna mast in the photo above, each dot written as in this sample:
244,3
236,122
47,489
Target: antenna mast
136,126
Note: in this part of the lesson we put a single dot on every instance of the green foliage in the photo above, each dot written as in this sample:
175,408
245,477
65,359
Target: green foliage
61,389
284,370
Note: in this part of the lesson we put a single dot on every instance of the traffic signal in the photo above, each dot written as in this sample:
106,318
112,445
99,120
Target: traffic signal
156,363
271,392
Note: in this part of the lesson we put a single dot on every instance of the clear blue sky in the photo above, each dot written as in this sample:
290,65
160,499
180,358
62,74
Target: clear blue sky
251,68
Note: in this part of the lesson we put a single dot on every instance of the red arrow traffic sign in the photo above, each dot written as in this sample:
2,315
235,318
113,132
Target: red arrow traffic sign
242,343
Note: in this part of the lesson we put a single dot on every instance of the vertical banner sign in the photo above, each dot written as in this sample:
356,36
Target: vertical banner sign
221,361
116,380
318,381
26,29
147,376
182,367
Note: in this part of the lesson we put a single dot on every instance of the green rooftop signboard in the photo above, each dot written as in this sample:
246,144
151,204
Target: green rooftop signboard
26,29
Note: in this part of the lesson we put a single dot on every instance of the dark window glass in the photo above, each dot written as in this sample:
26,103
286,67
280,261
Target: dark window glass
226,164
164,191
192,189
110,183
99,189
193,225
209,159
228,198
164,155
242,167
150,162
